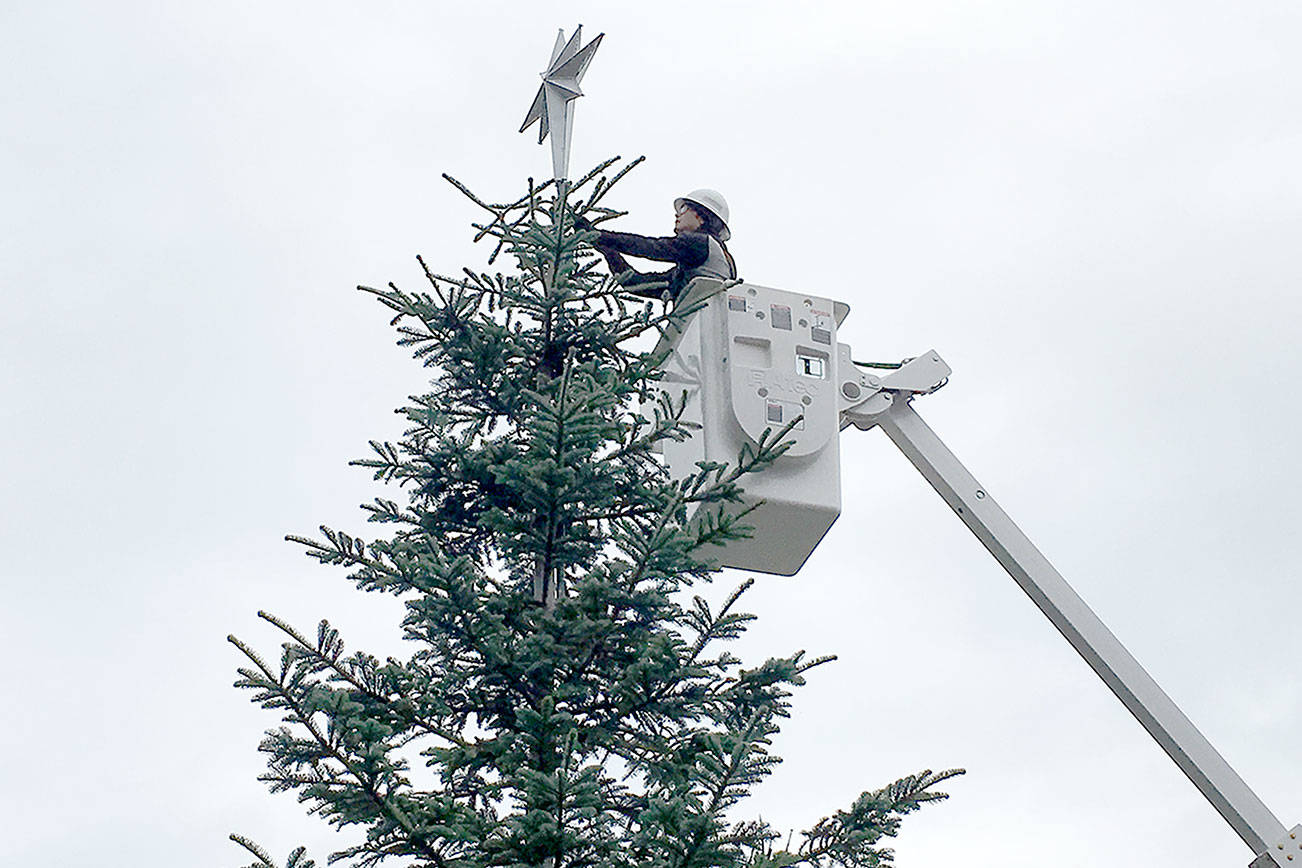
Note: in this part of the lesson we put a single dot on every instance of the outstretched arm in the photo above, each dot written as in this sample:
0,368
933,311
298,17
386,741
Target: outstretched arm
662,279
614,261
687,250
628,277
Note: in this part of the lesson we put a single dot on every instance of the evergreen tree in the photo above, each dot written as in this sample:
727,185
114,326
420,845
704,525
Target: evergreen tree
568,700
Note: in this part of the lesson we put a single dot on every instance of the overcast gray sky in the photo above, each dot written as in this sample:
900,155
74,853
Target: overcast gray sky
1091,210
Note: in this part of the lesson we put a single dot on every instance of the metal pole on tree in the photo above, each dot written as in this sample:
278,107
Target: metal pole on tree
553,110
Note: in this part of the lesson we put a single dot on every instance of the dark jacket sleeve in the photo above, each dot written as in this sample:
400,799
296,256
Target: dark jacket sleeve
614,261
687,250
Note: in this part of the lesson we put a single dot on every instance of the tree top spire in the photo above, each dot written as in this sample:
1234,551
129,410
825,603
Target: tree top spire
560,87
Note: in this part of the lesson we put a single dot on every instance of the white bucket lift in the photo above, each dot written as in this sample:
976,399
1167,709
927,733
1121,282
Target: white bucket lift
755,358
752,358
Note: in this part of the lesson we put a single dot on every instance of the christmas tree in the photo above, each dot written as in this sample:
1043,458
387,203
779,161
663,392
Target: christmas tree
569,702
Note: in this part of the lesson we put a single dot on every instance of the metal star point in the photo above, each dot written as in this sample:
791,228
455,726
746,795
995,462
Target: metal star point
552,107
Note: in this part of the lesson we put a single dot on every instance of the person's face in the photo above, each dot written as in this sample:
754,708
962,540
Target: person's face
686,219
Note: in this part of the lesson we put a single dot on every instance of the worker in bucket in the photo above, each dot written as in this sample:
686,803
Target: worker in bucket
696,248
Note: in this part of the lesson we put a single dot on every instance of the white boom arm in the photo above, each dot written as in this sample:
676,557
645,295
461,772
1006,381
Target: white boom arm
884,402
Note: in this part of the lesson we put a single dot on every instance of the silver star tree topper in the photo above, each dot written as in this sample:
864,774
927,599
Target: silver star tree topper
560,87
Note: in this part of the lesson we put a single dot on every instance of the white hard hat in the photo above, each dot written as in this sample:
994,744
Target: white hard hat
712,201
